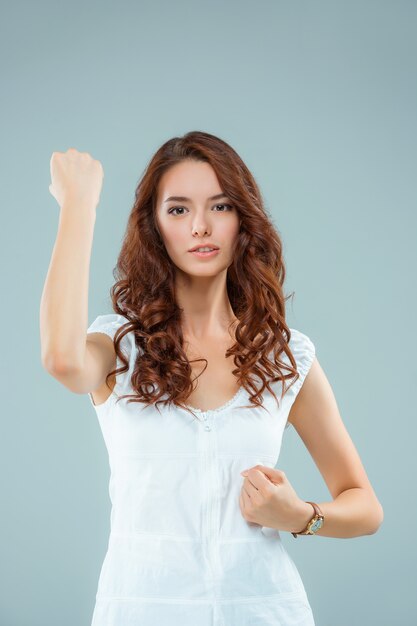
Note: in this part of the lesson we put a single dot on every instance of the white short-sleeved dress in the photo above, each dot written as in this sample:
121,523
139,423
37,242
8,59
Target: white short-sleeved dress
180,552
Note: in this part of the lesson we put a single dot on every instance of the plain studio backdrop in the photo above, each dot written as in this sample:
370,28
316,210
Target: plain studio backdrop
319,99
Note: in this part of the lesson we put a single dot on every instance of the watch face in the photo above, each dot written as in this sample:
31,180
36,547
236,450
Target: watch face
317,524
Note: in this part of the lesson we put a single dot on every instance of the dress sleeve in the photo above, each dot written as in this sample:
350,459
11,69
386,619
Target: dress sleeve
304,352
108,325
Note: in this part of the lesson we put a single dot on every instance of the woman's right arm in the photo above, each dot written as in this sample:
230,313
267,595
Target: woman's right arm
80,363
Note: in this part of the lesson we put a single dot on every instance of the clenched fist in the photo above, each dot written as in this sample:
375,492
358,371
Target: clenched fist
76,178
268,499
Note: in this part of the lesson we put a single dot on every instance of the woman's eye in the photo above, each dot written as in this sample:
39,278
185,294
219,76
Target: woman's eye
228,205
176,208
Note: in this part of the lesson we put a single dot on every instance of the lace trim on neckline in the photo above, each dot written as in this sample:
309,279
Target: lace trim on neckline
218,409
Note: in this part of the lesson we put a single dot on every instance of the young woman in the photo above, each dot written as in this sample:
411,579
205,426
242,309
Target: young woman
194,377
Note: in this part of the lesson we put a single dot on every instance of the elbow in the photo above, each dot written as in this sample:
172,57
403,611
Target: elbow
58,366
376,517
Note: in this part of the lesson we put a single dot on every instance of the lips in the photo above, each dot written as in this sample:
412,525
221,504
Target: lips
207,245
205,255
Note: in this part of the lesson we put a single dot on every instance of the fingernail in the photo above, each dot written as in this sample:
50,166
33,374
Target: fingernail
244,473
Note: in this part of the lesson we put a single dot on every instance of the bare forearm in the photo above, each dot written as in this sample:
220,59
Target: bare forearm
352,513
64,302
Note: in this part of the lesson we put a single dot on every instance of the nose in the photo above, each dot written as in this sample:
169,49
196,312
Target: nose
200,225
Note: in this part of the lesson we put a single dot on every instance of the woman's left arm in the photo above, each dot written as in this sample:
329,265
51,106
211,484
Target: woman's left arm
355,509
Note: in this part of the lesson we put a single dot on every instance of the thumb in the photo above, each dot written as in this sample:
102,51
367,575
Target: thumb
275,475
52,191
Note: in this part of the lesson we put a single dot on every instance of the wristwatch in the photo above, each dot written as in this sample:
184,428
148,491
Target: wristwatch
315,523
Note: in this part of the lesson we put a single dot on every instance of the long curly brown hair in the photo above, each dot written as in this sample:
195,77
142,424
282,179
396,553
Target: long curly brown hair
144,288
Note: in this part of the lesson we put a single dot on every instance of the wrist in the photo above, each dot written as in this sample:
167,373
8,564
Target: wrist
305,513
79,205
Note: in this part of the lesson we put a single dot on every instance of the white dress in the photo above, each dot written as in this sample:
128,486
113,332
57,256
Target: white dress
180,552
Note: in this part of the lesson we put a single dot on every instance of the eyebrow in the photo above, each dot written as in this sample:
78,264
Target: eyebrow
184,199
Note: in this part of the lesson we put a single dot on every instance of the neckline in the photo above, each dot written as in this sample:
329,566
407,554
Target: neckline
219,408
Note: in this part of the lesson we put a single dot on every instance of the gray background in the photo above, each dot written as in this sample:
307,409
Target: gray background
319,99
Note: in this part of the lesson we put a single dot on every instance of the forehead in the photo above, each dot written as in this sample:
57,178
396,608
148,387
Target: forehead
194,179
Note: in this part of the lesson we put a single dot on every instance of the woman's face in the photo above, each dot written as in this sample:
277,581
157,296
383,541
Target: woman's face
199,215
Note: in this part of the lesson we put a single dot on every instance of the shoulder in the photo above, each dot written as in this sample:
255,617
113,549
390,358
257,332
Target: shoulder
299,341
304,352
108,324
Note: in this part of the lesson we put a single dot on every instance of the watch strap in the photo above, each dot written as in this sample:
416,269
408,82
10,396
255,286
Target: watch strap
318,514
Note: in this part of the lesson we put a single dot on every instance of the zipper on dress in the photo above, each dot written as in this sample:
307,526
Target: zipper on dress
210,484
217,566
212,496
